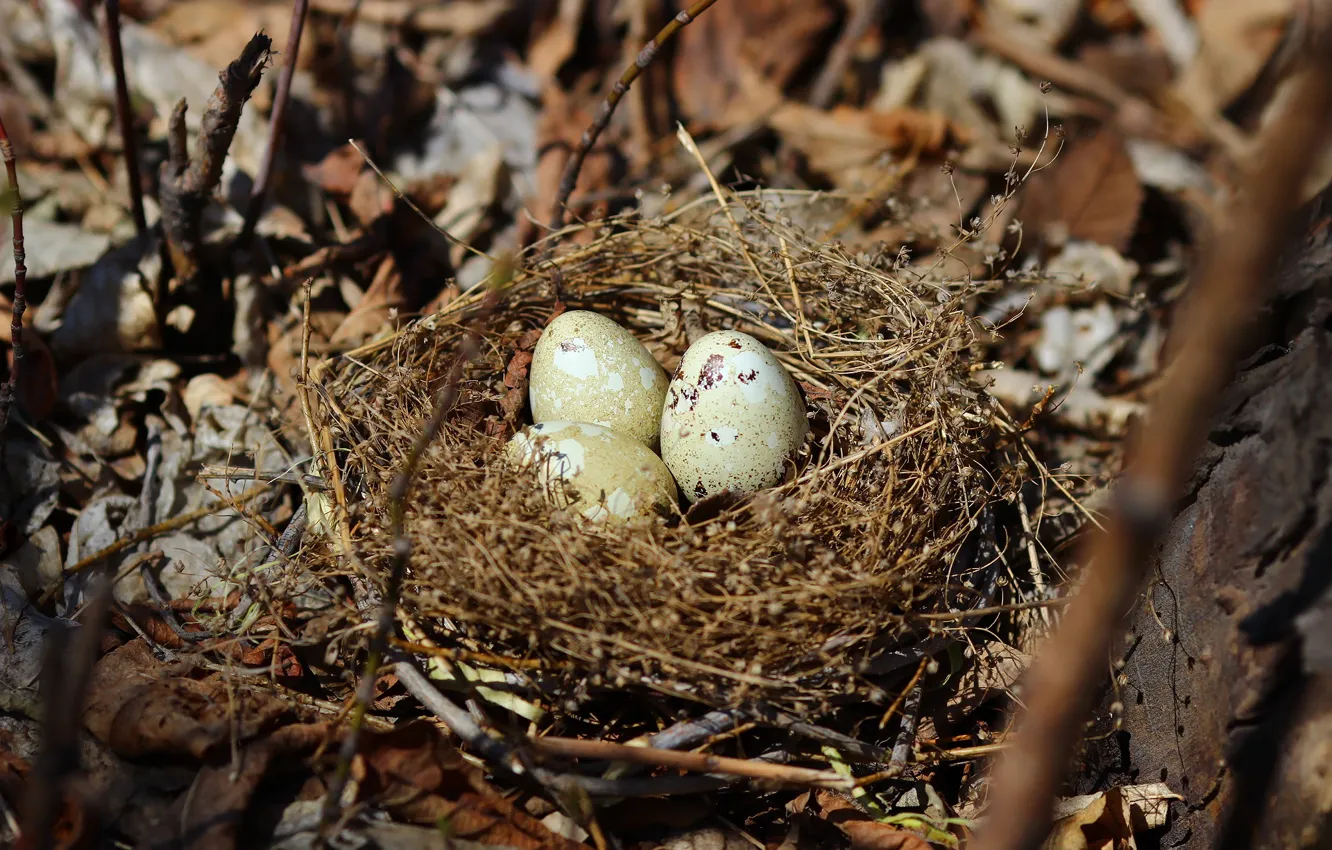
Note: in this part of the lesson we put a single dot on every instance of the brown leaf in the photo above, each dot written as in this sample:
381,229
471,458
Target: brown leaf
138,707
221,794
1102,825
845,144
427,781
555,44
529,339
370,198
871,835
1236,38
771,38
515,377
372,313
38,381
865,832
339,170
1092,193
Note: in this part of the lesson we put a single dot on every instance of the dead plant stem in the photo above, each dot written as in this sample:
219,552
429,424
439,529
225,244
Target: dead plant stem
276,120
402,547
1210,336
9,392
150,532
125,117
696,762
589,138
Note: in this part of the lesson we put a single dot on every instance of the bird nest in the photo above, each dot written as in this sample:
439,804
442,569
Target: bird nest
788,595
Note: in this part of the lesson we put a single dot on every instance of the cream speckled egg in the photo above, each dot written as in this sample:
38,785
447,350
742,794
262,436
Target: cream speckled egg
586,368
733,417
599,473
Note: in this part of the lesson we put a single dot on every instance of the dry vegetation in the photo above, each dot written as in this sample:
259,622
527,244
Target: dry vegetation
785,596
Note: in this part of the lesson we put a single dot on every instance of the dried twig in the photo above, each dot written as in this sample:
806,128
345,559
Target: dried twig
402,547
149,533
599,124
864,16
1210,336
67,667
186,183
276,120
125,116
698,762
9,392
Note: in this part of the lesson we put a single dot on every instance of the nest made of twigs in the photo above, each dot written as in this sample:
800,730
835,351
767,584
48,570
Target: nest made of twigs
782,596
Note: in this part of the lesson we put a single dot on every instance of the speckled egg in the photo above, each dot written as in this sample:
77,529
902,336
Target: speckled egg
586,368
733,417
599,473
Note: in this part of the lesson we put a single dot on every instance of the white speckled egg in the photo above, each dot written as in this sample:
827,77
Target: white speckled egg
586,368
599,473
733,417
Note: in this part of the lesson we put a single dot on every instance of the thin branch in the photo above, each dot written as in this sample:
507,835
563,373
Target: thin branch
187,184
1211,334
149,533
863,16
617,92
67,667
276,121
697,762
125,116
399,490
9,392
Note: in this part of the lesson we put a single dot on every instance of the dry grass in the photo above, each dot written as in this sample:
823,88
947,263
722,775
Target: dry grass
782,596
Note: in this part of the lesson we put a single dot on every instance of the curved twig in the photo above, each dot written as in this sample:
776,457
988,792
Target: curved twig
599,124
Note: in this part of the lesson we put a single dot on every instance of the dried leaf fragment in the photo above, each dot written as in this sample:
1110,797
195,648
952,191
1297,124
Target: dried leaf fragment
1092,193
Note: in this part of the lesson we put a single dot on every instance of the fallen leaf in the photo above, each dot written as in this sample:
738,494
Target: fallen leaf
422,778
1109,820
515,376
214,31
206,390
865,832
37,561
113,309
37,383
1236,39
994,670
372,312
554,44
846,144
158,71
559,128
771,38
1092,193
338,172
53,248
138,710
472,198
222,793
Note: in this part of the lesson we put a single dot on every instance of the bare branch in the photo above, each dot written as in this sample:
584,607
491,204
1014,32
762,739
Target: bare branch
9,392
1210,336
276,121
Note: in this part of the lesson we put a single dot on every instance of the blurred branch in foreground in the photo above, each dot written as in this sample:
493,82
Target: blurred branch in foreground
1228,292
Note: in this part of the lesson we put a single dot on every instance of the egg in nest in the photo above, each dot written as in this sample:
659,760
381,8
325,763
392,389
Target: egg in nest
733,417
601,474
587,368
